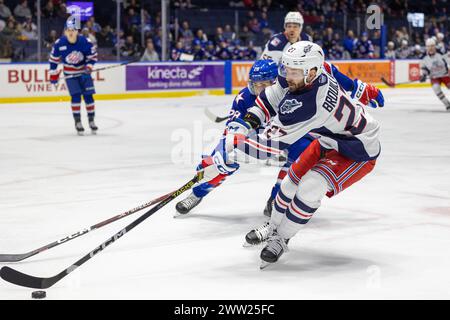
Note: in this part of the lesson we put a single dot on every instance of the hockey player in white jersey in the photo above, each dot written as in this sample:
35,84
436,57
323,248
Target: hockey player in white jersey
436,66
293,26
307,99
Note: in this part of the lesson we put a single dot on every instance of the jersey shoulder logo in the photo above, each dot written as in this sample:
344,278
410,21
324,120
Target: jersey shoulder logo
275,42
289,106
74,57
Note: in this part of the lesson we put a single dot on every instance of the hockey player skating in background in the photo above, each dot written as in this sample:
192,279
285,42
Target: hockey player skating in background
78,56
436,66
293,26
308,99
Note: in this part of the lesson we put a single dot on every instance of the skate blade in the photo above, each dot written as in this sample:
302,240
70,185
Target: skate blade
80,133
94,132
178,215
264,264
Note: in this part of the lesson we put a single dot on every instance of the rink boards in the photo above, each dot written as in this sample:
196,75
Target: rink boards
28,82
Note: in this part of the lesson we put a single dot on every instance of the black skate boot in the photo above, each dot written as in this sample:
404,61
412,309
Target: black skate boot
258,235
186,205
93,127
274,249
268,208
79,128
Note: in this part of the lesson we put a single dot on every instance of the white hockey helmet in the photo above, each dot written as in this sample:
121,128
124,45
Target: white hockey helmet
440,36
293,17
430,42
304,55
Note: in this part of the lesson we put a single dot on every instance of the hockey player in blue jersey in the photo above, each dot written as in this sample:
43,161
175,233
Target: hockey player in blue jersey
293,26
78,56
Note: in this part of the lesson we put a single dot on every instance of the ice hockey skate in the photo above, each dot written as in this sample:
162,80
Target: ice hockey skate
274,249
185,206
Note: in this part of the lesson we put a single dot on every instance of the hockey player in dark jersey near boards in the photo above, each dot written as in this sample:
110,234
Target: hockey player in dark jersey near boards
293,26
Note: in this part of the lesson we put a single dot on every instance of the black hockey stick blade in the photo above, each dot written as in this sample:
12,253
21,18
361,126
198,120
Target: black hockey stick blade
25,280
21,279
211,116
388,83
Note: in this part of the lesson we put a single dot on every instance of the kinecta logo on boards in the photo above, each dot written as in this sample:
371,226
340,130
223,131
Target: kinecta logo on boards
173,73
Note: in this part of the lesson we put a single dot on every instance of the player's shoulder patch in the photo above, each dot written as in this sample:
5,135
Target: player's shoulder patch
323,79
277,42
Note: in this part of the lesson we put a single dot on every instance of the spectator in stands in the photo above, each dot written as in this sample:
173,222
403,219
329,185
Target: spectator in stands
157,40
254,26
364,48
336,51
390,50
210,51
219,37
228,34
93,25
49,10
90,35
404,51
201,36
350,43
130,48
376,42
176,52
186,34
327,39
236,51
197,51
131,19
417,53
9,29
21,11
264,22
5,13
250,52
246,36
50,40
150,54
29,30
105,38
223,53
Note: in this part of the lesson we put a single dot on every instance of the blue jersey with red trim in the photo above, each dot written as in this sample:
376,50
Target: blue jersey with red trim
74,56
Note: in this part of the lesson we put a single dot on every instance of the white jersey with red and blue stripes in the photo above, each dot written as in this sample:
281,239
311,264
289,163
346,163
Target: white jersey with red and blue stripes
324,110
74,56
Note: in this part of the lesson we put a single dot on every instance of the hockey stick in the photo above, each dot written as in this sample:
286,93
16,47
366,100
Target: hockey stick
211,116
23,256
392,85
21,279
99,69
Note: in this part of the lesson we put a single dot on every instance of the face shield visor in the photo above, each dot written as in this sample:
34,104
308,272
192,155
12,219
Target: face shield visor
256,87
291,74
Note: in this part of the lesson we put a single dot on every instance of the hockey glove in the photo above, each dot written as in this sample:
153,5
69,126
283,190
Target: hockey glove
237,130
214,168
367,94
54,76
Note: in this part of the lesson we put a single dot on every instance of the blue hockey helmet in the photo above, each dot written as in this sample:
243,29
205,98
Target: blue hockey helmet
261,71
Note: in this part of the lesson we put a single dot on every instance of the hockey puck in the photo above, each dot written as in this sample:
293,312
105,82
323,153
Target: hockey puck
38,294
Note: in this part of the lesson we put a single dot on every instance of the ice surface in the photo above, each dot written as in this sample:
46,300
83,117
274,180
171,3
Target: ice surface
386,237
